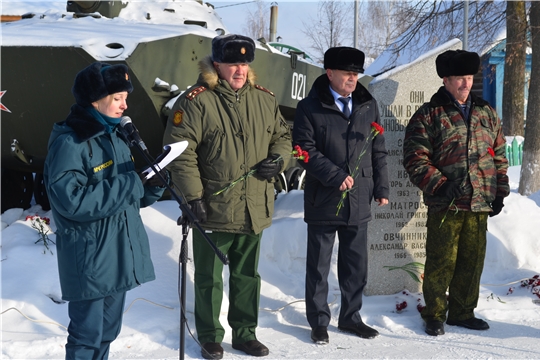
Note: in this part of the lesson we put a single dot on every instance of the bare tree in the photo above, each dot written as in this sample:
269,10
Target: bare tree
381,24
529,181
257,21
330,28
433,22
513,105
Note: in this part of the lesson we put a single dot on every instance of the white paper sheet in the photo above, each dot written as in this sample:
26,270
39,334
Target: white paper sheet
170,152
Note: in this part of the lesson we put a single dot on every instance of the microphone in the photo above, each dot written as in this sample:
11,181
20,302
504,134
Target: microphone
132,132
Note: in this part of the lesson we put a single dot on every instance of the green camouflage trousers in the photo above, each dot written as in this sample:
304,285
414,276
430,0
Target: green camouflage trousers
455,253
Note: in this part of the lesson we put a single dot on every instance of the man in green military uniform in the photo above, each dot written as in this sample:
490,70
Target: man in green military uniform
454,151
232,126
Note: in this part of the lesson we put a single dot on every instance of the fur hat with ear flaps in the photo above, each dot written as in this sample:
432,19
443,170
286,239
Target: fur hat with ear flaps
457,63
344,58
233,49
98,80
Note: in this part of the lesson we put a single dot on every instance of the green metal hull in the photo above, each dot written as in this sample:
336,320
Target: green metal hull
38,81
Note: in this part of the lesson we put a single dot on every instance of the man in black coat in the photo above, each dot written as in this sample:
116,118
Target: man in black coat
347,161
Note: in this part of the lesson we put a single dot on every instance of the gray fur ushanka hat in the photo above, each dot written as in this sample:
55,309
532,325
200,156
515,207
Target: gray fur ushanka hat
457,63
98,80
233,49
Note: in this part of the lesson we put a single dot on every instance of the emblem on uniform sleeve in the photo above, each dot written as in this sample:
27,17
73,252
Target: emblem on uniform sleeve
177,120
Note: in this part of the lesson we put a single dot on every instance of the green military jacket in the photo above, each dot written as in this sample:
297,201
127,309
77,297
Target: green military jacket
229,133
440,145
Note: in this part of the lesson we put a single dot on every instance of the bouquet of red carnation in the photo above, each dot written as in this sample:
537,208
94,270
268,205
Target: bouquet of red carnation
41,225
376,129
300,154
297,154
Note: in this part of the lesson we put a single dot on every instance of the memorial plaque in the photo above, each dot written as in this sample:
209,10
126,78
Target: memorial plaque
397,233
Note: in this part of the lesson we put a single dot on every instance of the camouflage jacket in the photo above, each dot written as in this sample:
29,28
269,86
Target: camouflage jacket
439,146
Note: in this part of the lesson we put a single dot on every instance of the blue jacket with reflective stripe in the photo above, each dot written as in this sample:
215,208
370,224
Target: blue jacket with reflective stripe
95,196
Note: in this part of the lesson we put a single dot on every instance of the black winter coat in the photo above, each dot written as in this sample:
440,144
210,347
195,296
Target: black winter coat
334,144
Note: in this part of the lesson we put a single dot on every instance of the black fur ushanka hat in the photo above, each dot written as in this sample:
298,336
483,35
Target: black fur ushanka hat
233,49
98,80
457,63
344,58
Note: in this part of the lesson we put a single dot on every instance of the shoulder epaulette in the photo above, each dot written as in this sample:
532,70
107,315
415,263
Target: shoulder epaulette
263,89
193,93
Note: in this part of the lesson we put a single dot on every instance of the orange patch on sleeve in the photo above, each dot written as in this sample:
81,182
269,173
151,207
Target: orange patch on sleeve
177,120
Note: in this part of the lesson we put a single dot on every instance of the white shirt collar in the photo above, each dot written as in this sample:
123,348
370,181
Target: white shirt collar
338,103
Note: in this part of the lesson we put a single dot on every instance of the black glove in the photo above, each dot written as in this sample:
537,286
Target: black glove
198,208
270,167
451,189
497,206
155,180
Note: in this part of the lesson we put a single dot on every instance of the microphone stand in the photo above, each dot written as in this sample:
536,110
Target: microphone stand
183,257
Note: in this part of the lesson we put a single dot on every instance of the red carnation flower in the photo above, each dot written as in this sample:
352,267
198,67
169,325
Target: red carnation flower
378,128
297,153
401,306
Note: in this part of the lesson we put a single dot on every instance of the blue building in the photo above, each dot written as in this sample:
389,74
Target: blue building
492,76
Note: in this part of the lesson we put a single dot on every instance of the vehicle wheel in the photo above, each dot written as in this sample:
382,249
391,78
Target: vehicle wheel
291,176
299,183
17,189
280,184
40,193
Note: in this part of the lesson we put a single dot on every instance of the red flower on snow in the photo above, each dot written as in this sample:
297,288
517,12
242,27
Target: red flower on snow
41,225
401,306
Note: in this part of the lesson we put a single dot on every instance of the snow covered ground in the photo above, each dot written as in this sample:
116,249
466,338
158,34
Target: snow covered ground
33,325
33,317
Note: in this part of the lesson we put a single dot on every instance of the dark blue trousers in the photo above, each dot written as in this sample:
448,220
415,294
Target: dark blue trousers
93,325
352,269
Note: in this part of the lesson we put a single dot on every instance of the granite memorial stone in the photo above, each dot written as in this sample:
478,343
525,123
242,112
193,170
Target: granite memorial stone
397,233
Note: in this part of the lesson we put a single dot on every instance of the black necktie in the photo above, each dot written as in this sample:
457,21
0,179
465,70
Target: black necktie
346,110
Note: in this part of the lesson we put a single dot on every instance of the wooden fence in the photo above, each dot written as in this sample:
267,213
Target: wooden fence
514,152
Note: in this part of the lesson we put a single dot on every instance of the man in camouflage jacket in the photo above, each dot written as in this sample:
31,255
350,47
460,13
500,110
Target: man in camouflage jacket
232,126
454,151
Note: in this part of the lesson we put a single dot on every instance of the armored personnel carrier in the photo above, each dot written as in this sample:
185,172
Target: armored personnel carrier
160,42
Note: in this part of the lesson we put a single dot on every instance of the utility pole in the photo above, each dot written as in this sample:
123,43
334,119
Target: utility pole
356,24
466,25
273,21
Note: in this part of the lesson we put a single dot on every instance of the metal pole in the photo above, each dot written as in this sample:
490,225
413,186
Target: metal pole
466,25
273,21
356,24
183,258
